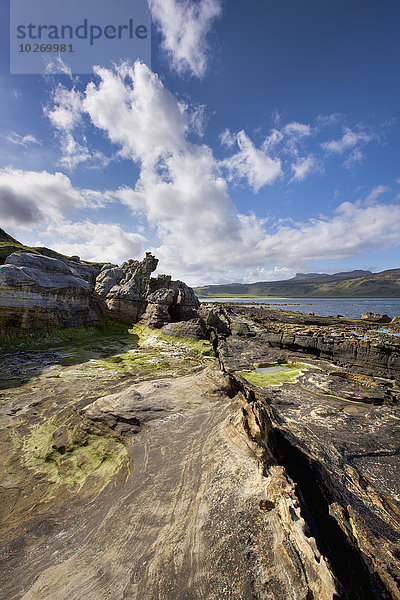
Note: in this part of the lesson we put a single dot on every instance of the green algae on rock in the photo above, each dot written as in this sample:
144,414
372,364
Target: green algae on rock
79,456
11,341
155,337
287,375
134,360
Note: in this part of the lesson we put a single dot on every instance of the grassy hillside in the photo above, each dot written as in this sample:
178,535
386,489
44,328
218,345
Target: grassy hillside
384,284
9,245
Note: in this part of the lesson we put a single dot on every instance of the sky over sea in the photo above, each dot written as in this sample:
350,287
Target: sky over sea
260,140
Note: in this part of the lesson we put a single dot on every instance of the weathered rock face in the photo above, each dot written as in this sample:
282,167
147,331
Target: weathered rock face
357,346
178,478
130,295
123,291
330,432
40,292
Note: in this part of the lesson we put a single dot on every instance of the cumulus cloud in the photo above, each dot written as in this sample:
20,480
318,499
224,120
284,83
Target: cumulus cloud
252,164
22,140
134,109
183,192
104,242
184,25
30,197
66,114
352,230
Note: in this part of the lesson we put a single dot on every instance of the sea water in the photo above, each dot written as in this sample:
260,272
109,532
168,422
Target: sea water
351,308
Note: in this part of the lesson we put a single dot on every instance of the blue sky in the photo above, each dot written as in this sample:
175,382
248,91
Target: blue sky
263,140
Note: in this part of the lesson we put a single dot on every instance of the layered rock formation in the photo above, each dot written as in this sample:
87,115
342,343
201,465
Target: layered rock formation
140,467
355,344
39,292
330,432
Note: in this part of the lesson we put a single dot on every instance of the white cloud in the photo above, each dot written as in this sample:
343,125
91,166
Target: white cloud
66,112
227,138
253,164
289,137
276,274
297,129
303,167
376,192
354,158
30,197
272,140
134,109
184,25
352,230
22,140
32,200
351,142
99,242
183,194
348,141
56,66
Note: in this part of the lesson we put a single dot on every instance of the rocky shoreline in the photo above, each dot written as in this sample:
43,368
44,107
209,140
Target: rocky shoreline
197,451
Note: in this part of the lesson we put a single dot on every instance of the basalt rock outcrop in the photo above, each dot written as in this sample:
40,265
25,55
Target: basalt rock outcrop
39,292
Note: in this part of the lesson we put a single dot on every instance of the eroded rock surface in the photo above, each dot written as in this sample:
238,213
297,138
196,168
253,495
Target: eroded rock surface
141,469
41,293
341,446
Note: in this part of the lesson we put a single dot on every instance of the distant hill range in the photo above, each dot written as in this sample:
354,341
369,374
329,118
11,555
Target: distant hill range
357,284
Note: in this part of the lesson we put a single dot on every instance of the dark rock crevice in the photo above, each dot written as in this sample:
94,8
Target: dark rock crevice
356,579
329,501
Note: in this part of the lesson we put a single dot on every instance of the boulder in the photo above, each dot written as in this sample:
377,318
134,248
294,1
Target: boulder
214,318
194,328
119,411
174,303
375,318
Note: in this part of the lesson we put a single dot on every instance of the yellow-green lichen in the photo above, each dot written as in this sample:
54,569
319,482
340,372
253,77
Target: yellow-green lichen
134,360
155,337
43,340
97,456
353,530
288,375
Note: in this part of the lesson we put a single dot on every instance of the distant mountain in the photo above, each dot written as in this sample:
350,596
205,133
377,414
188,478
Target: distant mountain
325,277
358,284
